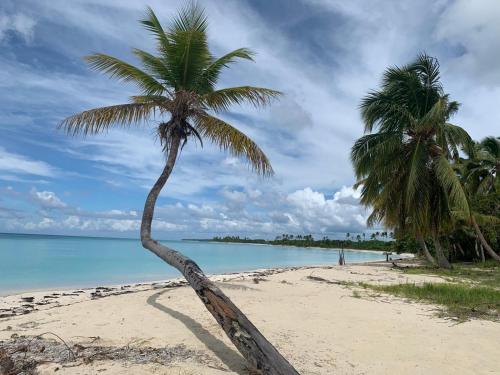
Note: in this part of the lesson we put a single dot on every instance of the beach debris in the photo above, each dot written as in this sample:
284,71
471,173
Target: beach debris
22,354
395,265
322,280
257,280
6,363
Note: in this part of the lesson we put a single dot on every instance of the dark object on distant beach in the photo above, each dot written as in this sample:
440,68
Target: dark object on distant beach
342,256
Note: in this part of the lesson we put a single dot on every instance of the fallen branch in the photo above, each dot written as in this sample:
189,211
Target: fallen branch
320,279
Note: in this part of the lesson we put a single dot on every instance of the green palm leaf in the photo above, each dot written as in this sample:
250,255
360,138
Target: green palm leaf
128,73
221,100
228,138
210,75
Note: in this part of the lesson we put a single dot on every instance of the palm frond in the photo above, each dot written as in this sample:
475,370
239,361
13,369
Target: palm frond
210,75
155,66
125,72
190,17
221,100
456,138
450,183
100,119
152,24
187,54
228,138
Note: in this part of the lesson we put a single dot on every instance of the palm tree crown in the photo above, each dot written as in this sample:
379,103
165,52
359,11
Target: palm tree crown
179,81
481,169
403,163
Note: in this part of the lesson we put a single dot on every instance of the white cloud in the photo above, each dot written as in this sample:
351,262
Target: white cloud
473,27
19,23
312,211
44,223
19,164
47,199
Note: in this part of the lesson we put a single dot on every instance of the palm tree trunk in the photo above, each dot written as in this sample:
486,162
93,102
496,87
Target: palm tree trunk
460,249
425,250
485,244
483,259
259,352
442,261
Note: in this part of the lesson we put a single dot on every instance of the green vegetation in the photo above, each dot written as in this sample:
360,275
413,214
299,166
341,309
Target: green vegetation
485,274
471,290
325,242
409,168
461,301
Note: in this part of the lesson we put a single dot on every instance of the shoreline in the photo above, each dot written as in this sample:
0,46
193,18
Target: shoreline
22,303
64,289
25,302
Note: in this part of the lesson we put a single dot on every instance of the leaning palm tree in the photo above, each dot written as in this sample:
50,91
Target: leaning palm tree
403,164
179,86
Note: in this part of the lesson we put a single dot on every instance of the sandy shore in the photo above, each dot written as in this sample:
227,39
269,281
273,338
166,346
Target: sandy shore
322,328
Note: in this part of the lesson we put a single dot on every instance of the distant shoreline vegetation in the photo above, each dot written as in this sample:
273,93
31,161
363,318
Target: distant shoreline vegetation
308,241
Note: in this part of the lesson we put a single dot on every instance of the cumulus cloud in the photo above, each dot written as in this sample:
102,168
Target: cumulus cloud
47,199
314,212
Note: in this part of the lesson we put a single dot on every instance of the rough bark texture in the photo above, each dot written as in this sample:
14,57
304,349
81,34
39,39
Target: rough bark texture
425,250
485,243
259,352
442,261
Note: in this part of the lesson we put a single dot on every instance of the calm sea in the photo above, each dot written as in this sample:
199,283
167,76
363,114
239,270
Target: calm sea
34,262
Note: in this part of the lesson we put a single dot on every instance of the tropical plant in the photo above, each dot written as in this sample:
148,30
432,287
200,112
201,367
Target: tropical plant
480,177
178,88
483,166
403,163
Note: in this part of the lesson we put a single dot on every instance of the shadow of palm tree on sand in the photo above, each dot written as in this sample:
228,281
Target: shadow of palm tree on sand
232,359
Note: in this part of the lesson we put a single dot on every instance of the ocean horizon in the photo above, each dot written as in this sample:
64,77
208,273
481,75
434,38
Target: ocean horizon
30,262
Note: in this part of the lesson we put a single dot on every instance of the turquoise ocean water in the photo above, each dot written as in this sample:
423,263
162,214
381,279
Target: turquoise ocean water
37,262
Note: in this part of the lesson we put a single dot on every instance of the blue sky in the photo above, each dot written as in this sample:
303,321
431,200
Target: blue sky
323,54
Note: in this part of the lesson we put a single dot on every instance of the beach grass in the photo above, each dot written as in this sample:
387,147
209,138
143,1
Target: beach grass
485,274
461,301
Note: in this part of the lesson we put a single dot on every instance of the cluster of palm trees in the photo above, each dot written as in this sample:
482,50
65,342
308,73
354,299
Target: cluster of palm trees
410,163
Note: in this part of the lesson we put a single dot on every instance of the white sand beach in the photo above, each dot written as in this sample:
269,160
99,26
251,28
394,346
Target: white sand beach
322,328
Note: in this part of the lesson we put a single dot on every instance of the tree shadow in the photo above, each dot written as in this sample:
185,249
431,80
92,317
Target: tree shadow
232,359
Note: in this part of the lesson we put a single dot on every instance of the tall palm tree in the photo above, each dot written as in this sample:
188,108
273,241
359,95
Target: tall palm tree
403,163
179,86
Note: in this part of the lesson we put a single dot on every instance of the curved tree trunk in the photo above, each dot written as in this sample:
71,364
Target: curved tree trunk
425,250
442,261
259,352
485,243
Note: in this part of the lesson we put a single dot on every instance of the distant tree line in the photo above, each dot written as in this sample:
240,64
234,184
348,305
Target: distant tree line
359,242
